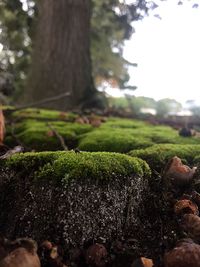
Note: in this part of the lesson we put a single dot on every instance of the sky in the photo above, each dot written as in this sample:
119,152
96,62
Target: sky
167,51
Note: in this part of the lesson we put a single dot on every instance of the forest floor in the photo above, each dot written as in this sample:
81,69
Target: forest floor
85,179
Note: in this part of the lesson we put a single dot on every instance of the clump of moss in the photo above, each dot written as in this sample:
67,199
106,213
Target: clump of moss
114,135
35,113
158,155
124,123
113,140
163,135
123,135
39,136
64,166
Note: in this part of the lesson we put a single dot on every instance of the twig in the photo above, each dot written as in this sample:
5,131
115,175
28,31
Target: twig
60,138
9,153
43,101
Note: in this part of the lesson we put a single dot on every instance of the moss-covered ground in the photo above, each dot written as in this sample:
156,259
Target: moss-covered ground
39,130
35,129
104,186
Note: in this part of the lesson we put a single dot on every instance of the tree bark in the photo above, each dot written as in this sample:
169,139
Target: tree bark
61,55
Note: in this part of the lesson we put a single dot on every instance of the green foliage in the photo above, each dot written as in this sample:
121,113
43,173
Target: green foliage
157,155
111,25
132,102
167,105
65,166
193,107
135,104
163,107
16,27
106,44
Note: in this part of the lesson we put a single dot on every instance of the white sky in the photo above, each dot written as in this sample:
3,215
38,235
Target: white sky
167,52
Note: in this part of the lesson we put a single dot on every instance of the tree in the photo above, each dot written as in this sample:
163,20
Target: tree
61,57
15,28
167,105
110,26
194,107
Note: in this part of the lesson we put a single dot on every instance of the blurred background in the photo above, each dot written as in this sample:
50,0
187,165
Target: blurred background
134,58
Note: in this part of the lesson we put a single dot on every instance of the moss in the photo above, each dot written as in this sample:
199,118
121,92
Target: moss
197,159
163,135
157,155
113,140
123,135
115,135
34,113
65,166
38,135
124,123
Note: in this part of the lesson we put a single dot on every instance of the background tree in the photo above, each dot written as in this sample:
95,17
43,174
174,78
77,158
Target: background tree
110,26
61,56
16,29
194,107
167,105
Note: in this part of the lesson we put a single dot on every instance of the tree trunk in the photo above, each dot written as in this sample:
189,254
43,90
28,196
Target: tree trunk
61,55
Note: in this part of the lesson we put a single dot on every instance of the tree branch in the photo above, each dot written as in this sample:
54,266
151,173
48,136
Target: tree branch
43,101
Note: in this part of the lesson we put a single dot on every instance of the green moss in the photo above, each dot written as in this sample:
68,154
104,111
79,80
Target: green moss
157,155
34,113
124,123
113,140
65,166
197,159
124,137
38,135
115,135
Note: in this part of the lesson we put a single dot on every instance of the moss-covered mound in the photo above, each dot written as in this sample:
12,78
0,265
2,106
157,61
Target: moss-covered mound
40,135
43,114
124,123
122,135
61,165
73,196
117,140
38,129
157,155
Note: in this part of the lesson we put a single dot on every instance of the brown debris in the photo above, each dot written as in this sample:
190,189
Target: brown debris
63,115
2,127
185,206
47,245
19,253
190,223
142,262
185,254
178,173
96,255
93,120
51,255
